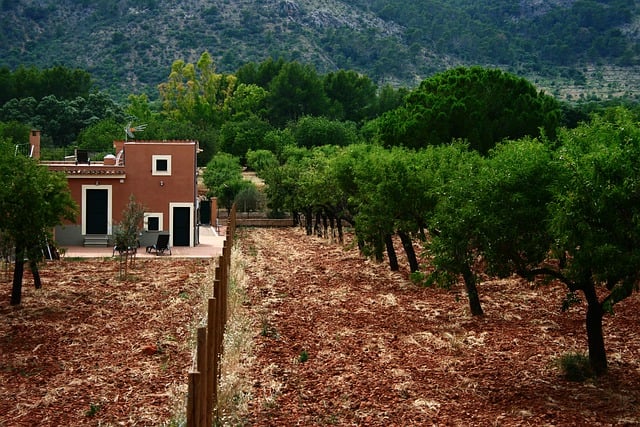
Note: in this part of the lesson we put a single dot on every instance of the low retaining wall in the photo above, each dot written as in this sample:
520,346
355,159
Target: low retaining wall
263,222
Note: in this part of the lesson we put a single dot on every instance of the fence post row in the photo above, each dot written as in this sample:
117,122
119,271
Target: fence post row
203,379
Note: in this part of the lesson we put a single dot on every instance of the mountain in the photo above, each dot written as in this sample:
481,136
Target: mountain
574,48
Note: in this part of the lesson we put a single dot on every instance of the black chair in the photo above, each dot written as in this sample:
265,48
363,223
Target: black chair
161,246
82,157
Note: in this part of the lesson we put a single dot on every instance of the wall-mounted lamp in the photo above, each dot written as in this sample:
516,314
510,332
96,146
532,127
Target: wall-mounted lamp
161,183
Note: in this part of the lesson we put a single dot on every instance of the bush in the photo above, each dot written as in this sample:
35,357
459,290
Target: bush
576,367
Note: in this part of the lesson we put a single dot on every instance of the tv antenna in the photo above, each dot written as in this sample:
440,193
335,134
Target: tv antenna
131,130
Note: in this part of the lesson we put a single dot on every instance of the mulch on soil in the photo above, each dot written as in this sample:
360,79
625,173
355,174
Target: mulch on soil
91,349
344,341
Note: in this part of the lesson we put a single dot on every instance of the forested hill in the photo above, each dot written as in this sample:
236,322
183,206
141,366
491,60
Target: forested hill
129,45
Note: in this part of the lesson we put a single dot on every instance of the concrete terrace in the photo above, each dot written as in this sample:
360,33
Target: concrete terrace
210,246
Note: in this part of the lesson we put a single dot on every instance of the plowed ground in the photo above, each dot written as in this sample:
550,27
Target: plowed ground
338,340
344,341
91,349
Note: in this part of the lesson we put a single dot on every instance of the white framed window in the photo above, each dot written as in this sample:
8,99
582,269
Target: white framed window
153,221
161,164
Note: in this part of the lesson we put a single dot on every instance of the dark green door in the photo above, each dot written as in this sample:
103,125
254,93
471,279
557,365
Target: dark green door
205,212
96,212
181,226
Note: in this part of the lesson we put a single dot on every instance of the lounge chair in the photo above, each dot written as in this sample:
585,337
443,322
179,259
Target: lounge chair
161,246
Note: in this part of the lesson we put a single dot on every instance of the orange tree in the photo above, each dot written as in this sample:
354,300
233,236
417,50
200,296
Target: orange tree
32,201
572,214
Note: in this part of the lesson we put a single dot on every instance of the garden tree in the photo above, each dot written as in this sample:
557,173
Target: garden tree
59,81
453,222
100,136
352,95
32,201
249,198
373,231
514,189
283,182
594,219
278,141
223,178
139,108
127,232
261,161
394,196
312,132
295,92
482,106
319,196
260,74
570,215
62,119
196,92
237,137
248,100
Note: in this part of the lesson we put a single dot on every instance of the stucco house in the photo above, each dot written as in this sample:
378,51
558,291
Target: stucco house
161,175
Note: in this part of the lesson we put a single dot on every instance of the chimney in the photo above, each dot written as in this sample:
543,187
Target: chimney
34,142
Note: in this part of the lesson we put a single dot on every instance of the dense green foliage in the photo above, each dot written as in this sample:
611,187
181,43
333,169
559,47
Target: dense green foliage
482,106
563,209
32,201
129,44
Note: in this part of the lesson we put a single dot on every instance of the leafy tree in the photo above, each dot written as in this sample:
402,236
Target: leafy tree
33,201
195,92
352,95
594,219
454,221
31,82
100,136
261,160
248,100
570,215
295,92
223,178
237,137
482,106
260,74
127,232
312,132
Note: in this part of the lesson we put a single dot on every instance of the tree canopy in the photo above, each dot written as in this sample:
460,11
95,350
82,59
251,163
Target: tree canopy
33,201
481,106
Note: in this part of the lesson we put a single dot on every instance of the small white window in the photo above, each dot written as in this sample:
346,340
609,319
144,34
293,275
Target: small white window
153,221
161,165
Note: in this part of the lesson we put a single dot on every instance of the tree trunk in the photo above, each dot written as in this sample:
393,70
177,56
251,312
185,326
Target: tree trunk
16,292
472,291
407,244
391,252
340,232
325,226
595,338
36,274
308,221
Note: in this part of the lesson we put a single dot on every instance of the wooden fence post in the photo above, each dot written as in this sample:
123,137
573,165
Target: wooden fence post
212,361
201,392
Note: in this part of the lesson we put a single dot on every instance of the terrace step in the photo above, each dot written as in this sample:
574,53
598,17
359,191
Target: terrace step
102,241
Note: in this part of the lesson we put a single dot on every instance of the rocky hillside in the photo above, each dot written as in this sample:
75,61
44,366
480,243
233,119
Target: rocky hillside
565,45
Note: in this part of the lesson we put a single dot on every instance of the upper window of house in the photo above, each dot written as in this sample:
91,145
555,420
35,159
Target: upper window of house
161,165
